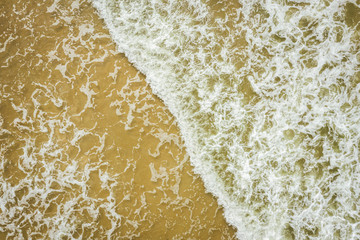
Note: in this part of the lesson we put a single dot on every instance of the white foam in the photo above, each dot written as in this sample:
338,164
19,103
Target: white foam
271,122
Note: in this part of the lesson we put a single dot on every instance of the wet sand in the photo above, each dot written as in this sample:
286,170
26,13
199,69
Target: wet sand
87,151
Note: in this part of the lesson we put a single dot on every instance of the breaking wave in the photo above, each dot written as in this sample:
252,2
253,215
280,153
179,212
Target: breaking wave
266,94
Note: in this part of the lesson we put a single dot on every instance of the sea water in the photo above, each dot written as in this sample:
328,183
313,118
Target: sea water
266,95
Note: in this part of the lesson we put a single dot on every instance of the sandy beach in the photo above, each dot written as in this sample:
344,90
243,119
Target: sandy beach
87,151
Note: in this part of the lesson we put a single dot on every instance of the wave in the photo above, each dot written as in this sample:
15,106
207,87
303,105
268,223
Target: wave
266,95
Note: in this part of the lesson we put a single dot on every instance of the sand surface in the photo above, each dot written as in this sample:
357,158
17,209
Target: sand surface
86,150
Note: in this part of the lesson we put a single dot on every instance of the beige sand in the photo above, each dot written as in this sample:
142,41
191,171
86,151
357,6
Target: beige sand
67,98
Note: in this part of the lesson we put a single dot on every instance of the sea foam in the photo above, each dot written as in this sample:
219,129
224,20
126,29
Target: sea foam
266,95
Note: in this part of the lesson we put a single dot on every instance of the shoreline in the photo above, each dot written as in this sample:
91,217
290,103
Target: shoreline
101,150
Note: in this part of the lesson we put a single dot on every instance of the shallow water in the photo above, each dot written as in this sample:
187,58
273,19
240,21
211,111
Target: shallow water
87,151
266,95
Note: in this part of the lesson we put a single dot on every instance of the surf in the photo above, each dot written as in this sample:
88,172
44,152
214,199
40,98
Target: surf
266,96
